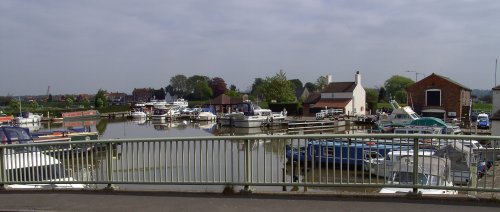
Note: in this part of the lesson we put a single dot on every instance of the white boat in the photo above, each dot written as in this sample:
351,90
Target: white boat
381,166
161,111
182,103
138,114
399,115
28,117
249,121
206,115
41,167
432,171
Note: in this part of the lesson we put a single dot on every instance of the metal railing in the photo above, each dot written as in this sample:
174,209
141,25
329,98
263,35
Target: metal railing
382,162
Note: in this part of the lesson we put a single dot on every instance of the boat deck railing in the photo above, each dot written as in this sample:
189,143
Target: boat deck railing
335,161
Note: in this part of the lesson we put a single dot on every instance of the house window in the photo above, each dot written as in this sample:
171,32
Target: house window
433,97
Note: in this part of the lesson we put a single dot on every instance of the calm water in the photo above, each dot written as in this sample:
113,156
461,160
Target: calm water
122,128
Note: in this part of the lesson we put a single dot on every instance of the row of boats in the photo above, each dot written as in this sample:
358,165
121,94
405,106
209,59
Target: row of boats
439,162
243,115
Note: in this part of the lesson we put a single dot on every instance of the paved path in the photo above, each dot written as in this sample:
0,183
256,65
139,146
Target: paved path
169,201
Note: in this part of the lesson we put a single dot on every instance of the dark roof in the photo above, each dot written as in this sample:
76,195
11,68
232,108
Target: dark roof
332,103
496,88
339,87
313,98
299,92
224,99
452,81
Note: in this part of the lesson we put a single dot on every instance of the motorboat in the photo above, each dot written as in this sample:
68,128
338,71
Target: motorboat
41,166
206,114
431,171
27,117
161,112
399,115
138,114
138,111
382,166
250,115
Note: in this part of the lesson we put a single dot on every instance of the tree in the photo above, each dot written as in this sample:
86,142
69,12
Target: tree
233,92
321,82
15,104
311,86
257,88
34,104
218,86
278,88
296,83
86,103
100,99
382,95
396,87
179,84
201,91
193,81
69,101
371,99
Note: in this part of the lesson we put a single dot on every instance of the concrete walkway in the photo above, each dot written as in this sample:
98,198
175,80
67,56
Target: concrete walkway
173,201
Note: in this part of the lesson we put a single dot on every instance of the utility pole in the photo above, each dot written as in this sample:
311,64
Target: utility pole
416,74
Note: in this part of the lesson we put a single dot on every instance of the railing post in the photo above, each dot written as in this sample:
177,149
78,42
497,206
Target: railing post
109,159
248,168
2,168
415,165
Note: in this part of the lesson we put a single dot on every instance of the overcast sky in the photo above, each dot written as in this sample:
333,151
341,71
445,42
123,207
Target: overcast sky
117,45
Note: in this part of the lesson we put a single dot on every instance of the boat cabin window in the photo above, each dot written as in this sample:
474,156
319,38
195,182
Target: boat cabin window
407,178
402,116
372,155
328,151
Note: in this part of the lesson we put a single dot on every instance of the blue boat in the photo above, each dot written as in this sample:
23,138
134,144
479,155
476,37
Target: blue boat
345,152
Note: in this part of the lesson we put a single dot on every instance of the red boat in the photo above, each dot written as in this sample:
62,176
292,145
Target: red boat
81,114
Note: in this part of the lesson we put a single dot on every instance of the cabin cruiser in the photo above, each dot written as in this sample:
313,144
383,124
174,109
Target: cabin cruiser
22,160
27,117
253,115
432,171
399,115
138,111
206,114
247,115
381,166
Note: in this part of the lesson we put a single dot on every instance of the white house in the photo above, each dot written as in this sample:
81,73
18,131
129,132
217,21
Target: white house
348,96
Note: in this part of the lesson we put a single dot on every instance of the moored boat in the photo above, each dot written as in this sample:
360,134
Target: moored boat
27,117
347,152
431,171
81,114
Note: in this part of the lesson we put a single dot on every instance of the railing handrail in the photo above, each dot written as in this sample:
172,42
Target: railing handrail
253,137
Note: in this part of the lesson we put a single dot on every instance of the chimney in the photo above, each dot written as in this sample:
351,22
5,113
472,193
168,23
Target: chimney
329,78
357,78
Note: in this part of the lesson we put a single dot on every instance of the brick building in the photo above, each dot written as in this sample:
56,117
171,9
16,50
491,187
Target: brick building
142,94
440,97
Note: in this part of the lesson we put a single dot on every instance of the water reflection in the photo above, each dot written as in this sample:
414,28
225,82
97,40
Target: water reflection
208,160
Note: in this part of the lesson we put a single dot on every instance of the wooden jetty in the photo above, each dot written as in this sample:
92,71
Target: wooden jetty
317,126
